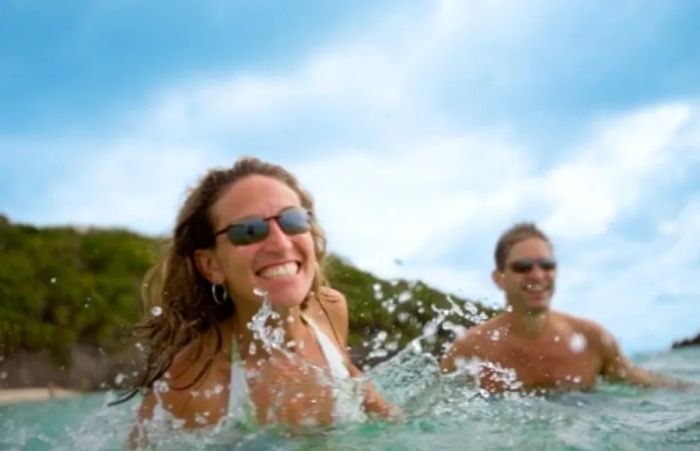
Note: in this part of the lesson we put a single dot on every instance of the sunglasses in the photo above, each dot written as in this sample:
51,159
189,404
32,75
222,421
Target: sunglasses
526,265
292,221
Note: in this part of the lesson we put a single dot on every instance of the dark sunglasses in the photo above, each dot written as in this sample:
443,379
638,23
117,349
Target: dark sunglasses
526,265
292,221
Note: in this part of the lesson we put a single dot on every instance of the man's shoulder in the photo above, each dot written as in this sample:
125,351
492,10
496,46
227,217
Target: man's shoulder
480,332
594,332
578,323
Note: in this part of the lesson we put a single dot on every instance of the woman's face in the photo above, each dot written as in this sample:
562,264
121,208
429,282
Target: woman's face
282,265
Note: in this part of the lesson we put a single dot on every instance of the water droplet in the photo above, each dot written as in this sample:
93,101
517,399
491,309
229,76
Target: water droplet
199,419
405,296
577,379
259,292
556,338
53,280
161,386
3,375
157,311
378,294
578,343
119,378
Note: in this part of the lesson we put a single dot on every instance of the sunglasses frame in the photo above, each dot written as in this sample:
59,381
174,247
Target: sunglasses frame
255,223
525,265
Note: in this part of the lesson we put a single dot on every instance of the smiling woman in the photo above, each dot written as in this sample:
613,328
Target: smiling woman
242,324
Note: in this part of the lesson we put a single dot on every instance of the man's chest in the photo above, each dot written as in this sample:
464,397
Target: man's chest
542,365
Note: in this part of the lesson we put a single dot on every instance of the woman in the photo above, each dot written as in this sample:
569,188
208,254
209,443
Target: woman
247,236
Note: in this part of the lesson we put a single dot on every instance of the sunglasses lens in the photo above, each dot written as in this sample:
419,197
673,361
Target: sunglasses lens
548,264
521,266
248,232
295,220
292,221
526,265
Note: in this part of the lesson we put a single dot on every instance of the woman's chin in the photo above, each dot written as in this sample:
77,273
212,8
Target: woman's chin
285,303
286,298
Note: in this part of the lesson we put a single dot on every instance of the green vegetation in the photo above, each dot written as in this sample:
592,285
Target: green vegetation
62,286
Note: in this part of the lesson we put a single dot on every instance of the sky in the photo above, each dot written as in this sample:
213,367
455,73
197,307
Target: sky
422,129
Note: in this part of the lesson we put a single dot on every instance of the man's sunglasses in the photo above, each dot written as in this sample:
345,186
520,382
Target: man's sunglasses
292,221
526,265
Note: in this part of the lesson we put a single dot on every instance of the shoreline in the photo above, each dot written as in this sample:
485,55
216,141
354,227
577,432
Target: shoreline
10,396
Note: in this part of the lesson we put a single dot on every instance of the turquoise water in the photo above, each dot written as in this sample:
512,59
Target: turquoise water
441,413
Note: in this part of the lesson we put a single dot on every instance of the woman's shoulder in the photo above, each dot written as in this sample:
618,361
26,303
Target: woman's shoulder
331,295
195,382
334,303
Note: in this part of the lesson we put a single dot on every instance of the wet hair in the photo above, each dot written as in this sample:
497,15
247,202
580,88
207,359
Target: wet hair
515,234
177,288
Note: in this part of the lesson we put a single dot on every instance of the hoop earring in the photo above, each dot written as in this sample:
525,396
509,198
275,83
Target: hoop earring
216,296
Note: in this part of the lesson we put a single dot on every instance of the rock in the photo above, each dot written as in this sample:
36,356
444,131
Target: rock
688,342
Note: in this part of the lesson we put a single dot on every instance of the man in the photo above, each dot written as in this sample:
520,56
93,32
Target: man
531,348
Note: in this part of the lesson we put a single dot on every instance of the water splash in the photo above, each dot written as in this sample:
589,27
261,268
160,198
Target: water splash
267,328
578,343
260,292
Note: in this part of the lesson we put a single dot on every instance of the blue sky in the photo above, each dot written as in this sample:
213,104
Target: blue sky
423,129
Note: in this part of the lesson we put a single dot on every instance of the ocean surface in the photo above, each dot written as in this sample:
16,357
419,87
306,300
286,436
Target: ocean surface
441,413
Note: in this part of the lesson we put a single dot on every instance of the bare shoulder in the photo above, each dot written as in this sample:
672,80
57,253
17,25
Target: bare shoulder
332,297
199,353
594,333
468,344
188,389
333,303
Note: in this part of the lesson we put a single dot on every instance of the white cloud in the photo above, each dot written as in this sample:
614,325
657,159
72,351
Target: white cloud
131,184
605,175
411,205
645,291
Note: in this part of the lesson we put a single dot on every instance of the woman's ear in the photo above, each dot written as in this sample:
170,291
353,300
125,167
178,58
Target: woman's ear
497,277
206,262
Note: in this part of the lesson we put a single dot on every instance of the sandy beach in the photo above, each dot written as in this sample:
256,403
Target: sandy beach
18,395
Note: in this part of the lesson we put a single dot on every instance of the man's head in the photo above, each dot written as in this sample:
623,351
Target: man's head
517,233
525,268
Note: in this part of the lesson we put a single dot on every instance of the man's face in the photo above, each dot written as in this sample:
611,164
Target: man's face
528,277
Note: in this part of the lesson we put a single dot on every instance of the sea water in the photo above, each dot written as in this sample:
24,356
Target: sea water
440,412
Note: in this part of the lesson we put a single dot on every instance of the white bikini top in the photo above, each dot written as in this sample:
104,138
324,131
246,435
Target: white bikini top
347,392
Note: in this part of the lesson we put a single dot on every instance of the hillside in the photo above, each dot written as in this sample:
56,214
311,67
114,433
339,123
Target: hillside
68,299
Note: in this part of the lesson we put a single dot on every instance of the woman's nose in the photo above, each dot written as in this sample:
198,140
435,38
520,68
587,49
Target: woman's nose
277,238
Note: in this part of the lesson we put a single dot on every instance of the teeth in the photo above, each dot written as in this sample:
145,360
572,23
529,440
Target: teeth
534,287
284,270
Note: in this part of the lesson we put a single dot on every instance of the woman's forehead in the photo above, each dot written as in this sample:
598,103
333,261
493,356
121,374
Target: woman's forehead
255,195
